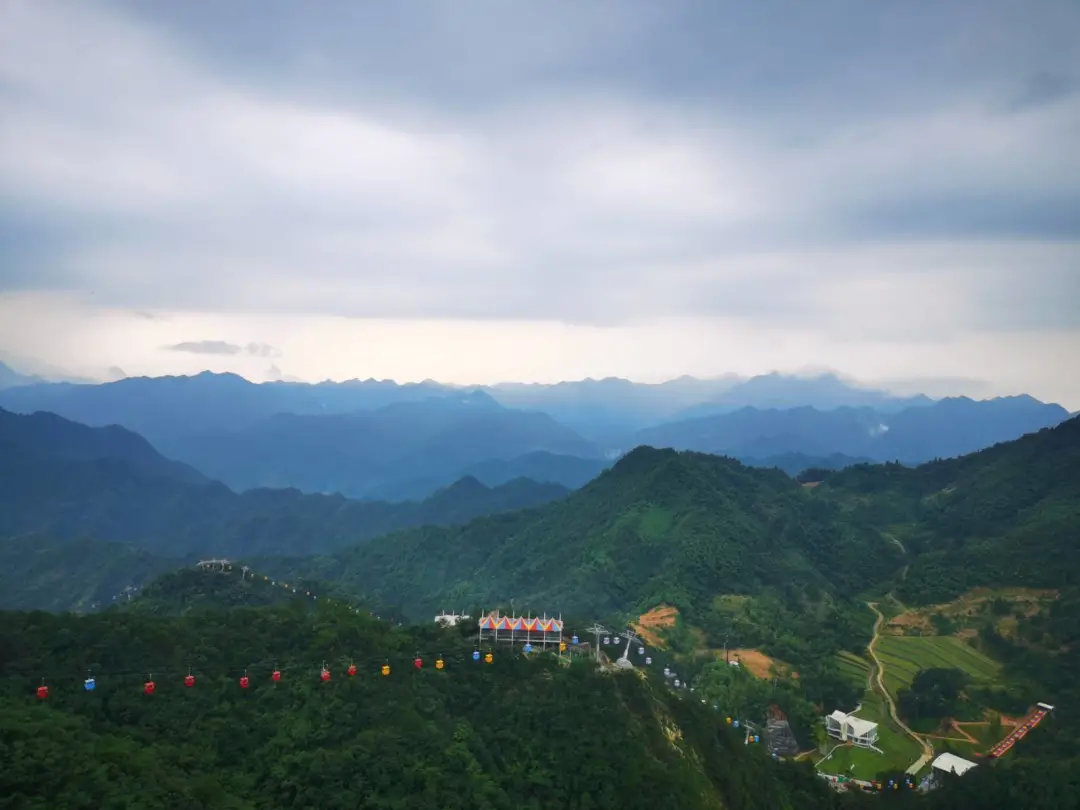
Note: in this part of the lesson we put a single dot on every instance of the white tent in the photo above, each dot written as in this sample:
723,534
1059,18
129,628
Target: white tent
950,763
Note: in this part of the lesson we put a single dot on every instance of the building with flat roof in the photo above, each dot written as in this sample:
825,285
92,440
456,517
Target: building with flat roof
849,728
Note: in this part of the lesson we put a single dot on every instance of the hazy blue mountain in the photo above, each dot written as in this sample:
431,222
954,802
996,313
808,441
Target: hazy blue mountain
379,451
611,407
52,435
378,439
943,429
363,438
114,494
959,425
570,471
540,466
781,391
9,377
166,407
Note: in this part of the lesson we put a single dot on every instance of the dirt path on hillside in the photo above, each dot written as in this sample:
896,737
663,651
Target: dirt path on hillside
959,728
878,673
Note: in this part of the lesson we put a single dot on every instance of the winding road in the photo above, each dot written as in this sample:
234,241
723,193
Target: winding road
878,674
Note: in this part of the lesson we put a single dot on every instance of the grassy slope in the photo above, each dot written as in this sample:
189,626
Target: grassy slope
853,667
904,656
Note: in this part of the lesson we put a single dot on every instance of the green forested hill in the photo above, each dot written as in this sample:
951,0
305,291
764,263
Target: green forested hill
47,574
1008,515
660,526
514,734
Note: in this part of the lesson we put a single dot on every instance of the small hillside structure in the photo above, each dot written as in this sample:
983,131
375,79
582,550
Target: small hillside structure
450,619
849,728
950,763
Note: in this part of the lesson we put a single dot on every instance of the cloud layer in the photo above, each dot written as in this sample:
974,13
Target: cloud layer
850,171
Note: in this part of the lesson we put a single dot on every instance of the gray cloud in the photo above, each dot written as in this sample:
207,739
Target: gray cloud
839,168
1042,88
224,347
204,347
261,350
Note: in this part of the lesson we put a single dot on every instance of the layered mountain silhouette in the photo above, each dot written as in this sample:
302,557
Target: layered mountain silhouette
943,429
10,378
781,391
377,439
65,481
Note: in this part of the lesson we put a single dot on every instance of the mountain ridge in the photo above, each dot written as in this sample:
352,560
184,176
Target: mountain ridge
103,493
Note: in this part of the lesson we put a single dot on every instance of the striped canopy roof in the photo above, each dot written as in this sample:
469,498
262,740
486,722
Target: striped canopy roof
523,624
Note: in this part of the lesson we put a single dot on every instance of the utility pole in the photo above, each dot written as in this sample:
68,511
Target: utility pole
631,637
597,630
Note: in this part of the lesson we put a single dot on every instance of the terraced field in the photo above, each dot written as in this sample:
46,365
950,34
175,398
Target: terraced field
904,656
853,667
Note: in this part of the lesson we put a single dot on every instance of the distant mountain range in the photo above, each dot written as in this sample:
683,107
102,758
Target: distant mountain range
63,481
780,392
380,440
366,453
950,427
10,378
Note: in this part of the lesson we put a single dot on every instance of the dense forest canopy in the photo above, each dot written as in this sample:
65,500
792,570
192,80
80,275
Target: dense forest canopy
519,732
522,731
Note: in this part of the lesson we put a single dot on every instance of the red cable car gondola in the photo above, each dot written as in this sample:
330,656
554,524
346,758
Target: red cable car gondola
275,676
244,681
418,662
325,674
149,687
351,670
189,680
42,692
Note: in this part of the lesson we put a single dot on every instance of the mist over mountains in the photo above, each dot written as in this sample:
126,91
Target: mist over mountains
380,440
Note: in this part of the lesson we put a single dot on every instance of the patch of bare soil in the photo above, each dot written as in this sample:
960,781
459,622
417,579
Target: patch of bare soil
758,663
658,618
973,604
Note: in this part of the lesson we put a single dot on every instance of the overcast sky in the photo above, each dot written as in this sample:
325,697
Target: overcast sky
480,191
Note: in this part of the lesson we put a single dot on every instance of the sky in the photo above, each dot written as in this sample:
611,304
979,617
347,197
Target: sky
498,190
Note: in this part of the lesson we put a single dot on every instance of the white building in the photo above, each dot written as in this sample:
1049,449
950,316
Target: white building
849,728
950,763
450,619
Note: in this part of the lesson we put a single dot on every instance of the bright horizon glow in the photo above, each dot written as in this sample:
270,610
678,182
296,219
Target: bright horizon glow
543,193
